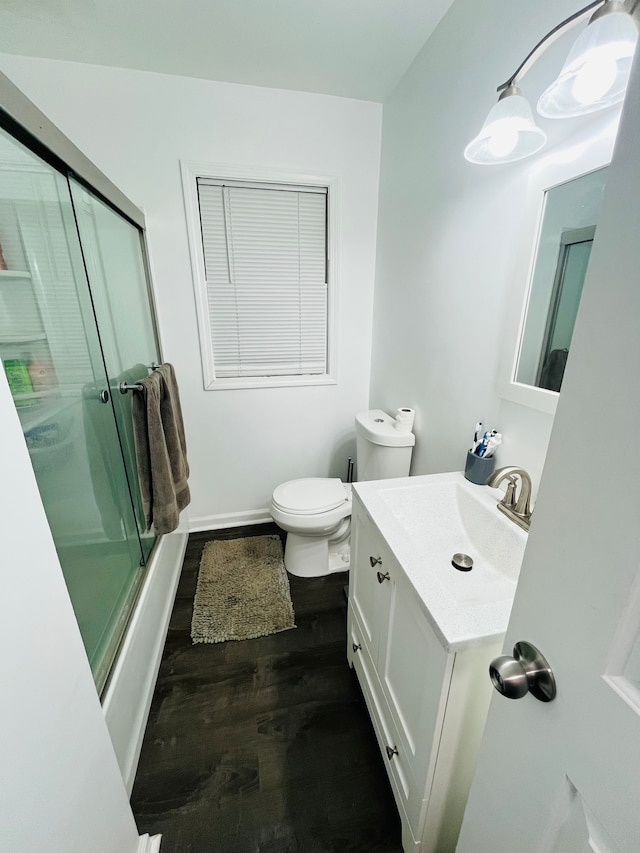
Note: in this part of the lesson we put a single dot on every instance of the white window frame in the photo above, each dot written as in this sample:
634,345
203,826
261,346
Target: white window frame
191,171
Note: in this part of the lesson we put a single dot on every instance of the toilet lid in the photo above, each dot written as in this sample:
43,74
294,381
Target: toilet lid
305,497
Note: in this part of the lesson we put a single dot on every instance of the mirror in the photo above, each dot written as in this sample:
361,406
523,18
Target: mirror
562,181
567,228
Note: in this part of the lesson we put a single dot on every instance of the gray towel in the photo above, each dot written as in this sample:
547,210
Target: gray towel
161,451
123,404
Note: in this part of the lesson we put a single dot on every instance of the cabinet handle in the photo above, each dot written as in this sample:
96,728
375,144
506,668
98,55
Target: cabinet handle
391,751
375,561
383,577
356,646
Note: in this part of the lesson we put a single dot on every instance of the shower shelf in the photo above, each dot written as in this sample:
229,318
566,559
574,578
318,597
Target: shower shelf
13,274
38,395
21,339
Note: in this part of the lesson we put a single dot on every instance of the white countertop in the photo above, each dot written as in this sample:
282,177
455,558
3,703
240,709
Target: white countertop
425,520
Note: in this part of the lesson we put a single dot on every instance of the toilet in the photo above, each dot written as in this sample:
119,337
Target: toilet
316,512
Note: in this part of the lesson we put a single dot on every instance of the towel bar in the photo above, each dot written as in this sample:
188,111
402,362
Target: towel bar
124,387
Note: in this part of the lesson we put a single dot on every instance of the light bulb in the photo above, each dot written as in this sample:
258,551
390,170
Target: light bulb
509,132
596,72
502,140
594,79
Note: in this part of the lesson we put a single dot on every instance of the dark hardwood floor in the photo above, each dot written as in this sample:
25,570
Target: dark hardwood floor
263,746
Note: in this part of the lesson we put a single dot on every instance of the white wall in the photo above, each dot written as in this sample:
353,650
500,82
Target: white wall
136,127
451,234
60,783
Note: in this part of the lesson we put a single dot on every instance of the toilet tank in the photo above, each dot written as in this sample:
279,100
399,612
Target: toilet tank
381,450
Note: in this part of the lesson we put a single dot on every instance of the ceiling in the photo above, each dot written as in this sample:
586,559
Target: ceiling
351,48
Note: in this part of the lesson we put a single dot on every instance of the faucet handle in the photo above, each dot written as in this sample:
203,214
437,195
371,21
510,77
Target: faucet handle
509,498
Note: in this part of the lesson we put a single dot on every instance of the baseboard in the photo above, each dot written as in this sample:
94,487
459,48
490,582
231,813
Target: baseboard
230,519
127,698
149,843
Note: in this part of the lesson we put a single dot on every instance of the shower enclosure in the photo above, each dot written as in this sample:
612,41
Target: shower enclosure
75,322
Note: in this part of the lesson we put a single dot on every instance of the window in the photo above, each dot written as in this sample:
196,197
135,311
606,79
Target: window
262,277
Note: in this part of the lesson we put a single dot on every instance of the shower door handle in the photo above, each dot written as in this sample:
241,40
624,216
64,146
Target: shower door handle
104,396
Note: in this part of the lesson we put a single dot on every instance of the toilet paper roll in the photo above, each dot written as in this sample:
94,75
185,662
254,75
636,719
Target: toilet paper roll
404,420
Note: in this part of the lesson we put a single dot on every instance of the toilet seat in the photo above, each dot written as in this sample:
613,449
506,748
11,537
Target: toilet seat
310,496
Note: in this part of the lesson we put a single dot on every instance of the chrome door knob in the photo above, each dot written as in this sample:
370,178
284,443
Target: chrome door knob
526,672
509,677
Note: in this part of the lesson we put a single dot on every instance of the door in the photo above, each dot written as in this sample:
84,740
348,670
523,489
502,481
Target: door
573,261
414,668
564,776
51,353
369,591
112,249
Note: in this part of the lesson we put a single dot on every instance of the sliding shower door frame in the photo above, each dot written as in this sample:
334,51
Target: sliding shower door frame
31,127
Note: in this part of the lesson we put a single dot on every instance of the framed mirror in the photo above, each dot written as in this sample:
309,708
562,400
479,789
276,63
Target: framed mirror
568,226
564,197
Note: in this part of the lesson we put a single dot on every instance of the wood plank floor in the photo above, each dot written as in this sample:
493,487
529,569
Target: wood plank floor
263,746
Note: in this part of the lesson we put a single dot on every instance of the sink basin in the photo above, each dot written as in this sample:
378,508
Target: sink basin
454,515
427,520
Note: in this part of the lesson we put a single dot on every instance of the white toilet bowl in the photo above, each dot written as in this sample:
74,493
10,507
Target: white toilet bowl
316,513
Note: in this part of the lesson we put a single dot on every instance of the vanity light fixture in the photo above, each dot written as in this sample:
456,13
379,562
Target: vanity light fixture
509,132
594,76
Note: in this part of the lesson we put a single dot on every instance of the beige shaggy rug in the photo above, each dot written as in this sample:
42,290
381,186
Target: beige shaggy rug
242,592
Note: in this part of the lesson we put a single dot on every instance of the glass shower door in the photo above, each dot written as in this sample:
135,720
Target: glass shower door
51,353
114,260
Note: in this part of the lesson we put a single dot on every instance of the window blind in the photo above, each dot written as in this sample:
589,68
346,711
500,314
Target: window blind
265,257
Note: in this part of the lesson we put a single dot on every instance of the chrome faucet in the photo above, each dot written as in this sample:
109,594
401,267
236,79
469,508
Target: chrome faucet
518,508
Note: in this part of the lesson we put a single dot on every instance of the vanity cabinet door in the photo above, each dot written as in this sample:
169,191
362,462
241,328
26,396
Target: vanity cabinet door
368,588
415,673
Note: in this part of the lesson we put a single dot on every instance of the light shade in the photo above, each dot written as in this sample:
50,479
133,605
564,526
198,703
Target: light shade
509,132
596,72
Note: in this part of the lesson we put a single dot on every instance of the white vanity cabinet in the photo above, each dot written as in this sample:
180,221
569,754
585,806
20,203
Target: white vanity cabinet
428,704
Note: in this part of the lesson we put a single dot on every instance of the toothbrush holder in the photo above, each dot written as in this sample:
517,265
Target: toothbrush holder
477,469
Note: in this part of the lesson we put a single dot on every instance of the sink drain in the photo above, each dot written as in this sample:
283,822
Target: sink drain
462,562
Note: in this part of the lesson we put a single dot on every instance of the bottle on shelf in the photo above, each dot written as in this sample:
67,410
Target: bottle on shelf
19,380
42,375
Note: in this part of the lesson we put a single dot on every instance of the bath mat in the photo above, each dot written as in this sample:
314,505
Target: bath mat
242,591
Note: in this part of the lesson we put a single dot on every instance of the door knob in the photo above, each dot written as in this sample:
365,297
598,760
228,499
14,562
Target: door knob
526,672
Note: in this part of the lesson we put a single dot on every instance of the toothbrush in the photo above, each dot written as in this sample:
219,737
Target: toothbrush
483,444
487,439
495,439
476,440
